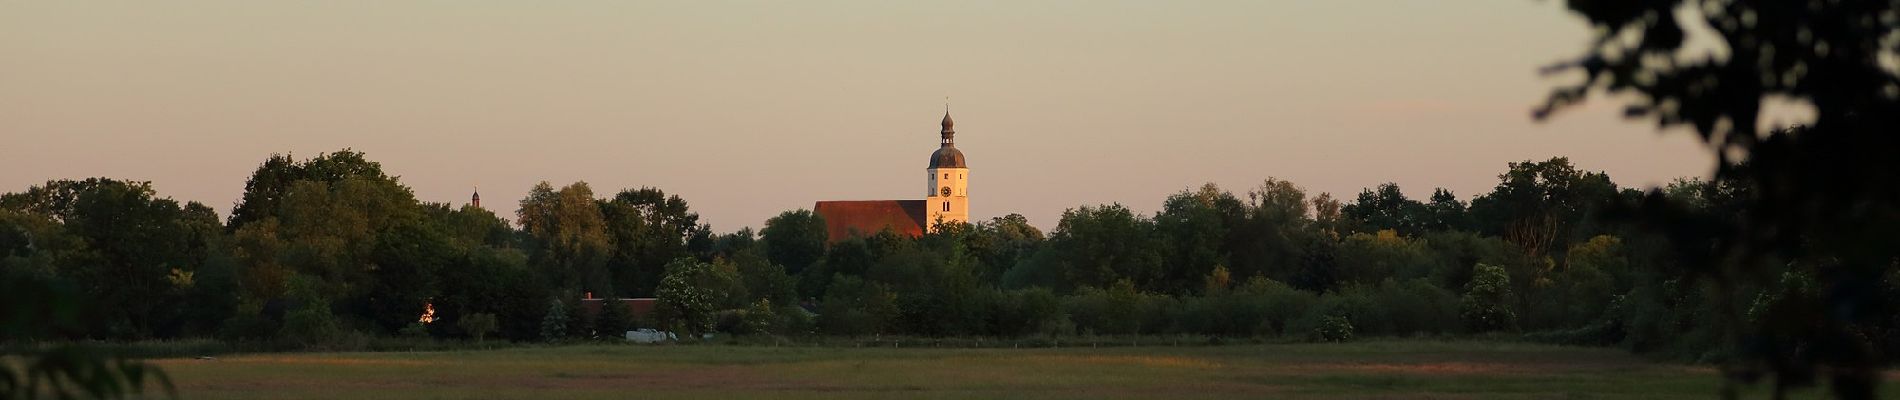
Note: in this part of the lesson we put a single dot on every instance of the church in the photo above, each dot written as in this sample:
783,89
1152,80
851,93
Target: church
946,199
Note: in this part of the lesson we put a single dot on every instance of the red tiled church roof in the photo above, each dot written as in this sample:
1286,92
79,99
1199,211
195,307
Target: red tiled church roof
844,219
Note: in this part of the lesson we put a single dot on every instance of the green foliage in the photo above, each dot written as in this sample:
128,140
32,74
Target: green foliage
855,307
689,295
1192,227
1370,258
478,325
1574,296
1120,309
1823,191
414,330
33,308
269,185
1098,246
794,320
1413,307
496,281
311,327
614,320
320,255
568,236
794,239
125,244
407,259
554,322
763,280
1486,305
1334,329
1387,208
759,318
1023,312
1542,206
649,229
999,243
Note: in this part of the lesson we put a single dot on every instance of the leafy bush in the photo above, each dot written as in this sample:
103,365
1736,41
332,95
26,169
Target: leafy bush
1119,310
1486,305
855,307
247,327
414,330
1415,307
794,320
478,325
1334,329
1023,311
760,318
311,327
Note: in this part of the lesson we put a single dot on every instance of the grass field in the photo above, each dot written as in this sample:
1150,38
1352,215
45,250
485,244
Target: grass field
1388,369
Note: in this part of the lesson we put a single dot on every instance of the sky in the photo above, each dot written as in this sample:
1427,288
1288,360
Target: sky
748,109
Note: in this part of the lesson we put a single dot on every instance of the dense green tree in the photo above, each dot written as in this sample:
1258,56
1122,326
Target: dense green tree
998,244
1544,207
1193,230
403,276
1447,213
761,279
135,254
1456,253
569,240
794,239
495,281
265,190
1388,208
742,240
649,229
1268,239
554,322
1573,296
470,227
1099,245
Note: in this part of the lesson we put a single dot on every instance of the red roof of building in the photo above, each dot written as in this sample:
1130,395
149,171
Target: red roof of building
844,219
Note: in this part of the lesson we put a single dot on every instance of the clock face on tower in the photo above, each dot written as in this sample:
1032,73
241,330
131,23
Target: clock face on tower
945,191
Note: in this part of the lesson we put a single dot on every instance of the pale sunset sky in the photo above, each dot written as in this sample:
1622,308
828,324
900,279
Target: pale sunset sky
747,109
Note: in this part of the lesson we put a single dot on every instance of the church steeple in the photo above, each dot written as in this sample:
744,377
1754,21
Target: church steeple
949,129
476,199
948,195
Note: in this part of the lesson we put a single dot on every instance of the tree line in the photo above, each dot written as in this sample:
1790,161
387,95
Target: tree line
322,250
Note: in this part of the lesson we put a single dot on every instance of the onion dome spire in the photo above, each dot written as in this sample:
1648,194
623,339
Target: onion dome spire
949,130
947,155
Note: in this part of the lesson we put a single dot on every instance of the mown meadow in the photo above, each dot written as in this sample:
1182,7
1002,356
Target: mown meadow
1373,369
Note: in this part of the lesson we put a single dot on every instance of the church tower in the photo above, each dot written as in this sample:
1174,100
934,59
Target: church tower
949,197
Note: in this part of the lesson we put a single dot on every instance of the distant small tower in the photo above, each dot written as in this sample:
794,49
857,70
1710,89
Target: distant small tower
476,200
949,185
